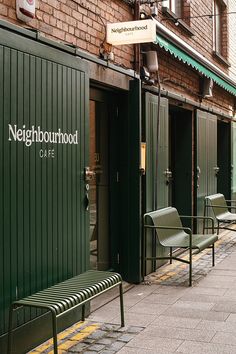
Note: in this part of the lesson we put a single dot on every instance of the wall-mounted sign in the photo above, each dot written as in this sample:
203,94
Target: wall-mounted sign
37,135
143,31
25,10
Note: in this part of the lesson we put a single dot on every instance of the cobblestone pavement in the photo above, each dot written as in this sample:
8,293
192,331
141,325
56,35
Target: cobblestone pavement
91,338
163,314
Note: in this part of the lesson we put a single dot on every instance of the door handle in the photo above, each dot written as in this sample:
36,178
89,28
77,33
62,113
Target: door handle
198,175
216,169
89,175
168,175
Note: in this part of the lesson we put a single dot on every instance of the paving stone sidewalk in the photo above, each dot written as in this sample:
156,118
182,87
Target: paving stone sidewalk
164,315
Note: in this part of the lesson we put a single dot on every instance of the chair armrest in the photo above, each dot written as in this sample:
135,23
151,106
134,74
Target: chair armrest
217,206
203,218
200,217
230,200
187,229
221,206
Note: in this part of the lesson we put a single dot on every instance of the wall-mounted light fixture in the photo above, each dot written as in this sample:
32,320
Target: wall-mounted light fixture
152,61
207,87
149,71
148,11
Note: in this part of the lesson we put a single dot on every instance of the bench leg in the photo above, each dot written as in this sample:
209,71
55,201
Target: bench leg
9,342
218,227
54,328
171,255
121,306
83,312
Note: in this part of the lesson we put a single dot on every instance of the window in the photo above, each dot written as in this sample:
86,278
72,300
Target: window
174,6
220,31
217,27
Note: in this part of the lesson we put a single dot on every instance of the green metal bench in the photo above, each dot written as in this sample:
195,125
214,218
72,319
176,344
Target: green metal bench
68,295
170,232
218,204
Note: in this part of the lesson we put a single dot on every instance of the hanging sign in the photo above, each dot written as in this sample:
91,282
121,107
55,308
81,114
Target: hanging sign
143,31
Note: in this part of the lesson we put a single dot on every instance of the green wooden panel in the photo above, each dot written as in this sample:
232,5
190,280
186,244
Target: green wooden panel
233,160
44,228
157,190
157,162
206,157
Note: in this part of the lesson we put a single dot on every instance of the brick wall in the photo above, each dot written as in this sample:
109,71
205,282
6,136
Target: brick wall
232,39
77,22
202,40
82,23
180,78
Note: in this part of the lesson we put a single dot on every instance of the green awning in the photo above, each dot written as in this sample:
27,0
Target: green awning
178,53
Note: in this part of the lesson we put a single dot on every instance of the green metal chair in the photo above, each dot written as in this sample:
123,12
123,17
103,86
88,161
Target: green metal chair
220,209
171,233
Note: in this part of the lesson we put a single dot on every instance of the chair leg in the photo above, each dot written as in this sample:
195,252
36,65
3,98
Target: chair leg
121,306
204,220
218,227
190,267
144,253
9,342
213,255
171,255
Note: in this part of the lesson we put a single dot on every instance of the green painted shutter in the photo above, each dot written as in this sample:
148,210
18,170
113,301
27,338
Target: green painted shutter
206,157
157,162
157,190
44,225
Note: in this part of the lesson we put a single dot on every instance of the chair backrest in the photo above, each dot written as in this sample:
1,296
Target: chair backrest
218,204
164,217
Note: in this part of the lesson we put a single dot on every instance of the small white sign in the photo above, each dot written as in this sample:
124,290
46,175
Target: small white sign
143,31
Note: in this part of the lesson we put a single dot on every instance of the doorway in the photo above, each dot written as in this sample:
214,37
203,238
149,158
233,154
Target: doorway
224,158
99,183
181,161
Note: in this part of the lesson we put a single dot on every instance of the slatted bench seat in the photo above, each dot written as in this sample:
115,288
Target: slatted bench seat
68,295
170,233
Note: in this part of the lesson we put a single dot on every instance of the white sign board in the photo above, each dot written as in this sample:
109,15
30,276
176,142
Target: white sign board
143,31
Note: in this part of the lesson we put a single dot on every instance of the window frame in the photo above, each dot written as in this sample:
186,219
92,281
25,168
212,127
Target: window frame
217,27
172,5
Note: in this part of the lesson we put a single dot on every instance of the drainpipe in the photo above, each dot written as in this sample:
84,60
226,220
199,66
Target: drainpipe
137,46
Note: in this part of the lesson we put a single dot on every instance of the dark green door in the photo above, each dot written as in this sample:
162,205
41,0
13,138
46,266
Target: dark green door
157,140
157,188
233,160
206,169
43,152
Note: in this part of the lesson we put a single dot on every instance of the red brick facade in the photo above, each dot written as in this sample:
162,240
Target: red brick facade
83,24
232,39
